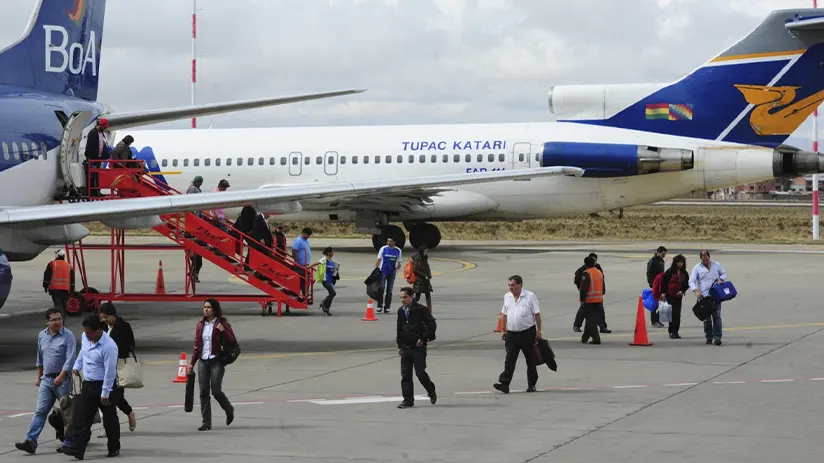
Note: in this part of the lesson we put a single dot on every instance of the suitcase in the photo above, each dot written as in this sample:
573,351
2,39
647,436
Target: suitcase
704,308
189,402
723,292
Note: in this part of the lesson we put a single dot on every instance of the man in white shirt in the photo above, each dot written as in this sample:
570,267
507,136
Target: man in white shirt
520,315
703,276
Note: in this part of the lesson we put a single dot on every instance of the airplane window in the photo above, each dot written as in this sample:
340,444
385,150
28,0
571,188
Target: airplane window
5,151
400,158
536,157
271,161
388,159
34,150
422,158
468,158
260,161
164,162
411,158
343,159
480,157
252,161
283,161
197,162
25,148
207,162
228,161
174,162
366,159
521,157
445,158
306,160
377,159
433,158
240,161
186,162
456,158
217,162
354,159
44,149
331,160
295,161
15,151
319,160
501,157
491,157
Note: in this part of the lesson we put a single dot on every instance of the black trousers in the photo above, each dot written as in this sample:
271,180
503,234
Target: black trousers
581,314
88,404
210,377
59,299
428,295
414,357
592,315
676,303
330,288
515,343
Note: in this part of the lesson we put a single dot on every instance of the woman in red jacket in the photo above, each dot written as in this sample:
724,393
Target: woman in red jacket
674,284
211,330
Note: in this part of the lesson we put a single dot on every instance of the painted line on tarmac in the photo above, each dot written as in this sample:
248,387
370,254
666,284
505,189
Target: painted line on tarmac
373,399
604,337
465,266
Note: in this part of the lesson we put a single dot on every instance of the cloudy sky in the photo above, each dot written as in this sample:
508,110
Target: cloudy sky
422,61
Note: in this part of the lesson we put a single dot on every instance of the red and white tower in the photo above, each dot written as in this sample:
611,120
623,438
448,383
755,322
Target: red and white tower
194,56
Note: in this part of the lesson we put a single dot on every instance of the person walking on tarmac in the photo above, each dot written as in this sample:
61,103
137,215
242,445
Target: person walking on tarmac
121,333
388,261
415,329
521,315
327,272
423,276
58,281
592,293
579,316
674,284
211,329
656,266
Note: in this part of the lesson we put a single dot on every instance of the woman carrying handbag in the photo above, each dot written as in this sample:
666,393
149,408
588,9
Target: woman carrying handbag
215,347
121,333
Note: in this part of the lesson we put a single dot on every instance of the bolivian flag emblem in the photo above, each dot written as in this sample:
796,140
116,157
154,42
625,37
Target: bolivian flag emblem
667,111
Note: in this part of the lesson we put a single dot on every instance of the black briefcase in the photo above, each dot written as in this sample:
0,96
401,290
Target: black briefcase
704,308
189,402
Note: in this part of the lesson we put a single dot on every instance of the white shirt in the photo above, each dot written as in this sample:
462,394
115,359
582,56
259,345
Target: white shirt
703,278
207,340
520,314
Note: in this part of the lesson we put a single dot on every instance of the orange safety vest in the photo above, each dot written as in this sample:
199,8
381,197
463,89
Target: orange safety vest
60,277
595,293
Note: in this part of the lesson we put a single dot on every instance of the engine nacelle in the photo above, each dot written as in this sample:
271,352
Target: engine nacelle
616,160
596,101
5,278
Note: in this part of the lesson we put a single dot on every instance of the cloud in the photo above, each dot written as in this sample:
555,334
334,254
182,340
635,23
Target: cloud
422,61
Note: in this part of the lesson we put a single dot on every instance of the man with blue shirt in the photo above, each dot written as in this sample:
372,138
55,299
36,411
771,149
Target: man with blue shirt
302,253
389,262
55,355
98,362
703,276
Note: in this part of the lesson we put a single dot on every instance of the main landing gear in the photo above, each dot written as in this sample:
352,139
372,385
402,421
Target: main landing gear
419,233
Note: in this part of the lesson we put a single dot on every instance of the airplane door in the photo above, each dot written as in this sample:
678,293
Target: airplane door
70,164
521,153
295,163
330,163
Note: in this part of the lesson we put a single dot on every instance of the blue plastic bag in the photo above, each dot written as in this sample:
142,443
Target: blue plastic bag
722,292
650,303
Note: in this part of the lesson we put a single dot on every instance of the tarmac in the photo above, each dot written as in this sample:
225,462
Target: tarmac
316,388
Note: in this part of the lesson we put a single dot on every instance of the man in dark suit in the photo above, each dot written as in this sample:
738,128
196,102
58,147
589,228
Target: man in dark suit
121,333
95,151
416,327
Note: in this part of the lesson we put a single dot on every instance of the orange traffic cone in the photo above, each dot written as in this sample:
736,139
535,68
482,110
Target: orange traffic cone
160,285
182,369
499,328
640,326
370,312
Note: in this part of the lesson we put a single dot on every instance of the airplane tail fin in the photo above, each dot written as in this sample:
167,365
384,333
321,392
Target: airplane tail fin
59,51
757,92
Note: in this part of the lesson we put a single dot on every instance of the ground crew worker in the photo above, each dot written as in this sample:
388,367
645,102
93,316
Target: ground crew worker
58,281
389,262
423,275
579,316
55,356
592,293
415,329
656,266
520,315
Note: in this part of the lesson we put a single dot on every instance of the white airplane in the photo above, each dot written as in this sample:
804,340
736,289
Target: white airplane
48,98
720,126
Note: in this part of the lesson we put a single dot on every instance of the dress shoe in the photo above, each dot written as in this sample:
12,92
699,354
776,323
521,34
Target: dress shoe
502,387
113,454
230,416
405,404
204,427
433,397
531,388
26,446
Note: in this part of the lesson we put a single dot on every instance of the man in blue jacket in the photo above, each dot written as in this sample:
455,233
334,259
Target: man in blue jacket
389,262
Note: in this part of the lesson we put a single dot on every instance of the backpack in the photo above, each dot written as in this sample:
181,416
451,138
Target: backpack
409,272
656,285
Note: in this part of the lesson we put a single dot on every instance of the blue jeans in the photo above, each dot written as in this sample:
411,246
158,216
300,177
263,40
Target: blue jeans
46,397
712,325
387,281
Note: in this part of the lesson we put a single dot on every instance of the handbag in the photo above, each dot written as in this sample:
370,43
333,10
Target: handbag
664,312
130,372
720,292
229,351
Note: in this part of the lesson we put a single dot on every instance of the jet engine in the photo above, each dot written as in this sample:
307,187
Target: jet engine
616,160
596,101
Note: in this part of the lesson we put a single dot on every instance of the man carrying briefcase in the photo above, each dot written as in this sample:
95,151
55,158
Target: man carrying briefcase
703,276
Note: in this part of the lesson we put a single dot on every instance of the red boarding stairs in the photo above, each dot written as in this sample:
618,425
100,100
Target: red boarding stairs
275,273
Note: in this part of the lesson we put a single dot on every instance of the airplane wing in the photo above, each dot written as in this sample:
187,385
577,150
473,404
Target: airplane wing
68,213
119,121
